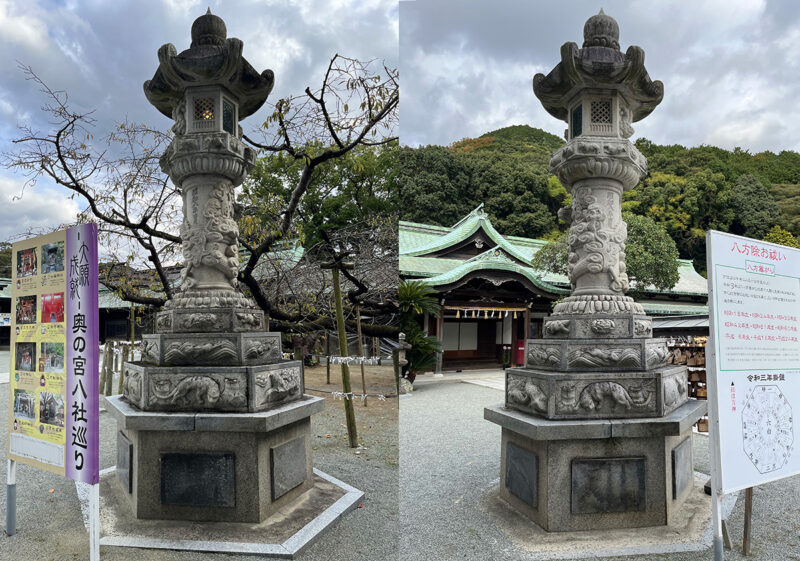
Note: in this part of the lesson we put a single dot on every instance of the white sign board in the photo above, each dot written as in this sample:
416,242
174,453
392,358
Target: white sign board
754,374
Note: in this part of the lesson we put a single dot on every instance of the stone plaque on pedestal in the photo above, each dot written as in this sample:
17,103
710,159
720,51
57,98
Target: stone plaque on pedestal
124,457
602,485
522,473
682,469
288,462
198,480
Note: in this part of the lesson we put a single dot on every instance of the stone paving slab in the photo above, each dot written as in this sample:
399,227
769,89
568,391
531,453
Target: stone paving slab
493,383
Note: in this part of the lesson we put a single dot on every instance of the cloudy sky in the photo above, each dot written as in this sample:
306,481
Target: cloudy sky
102,51
731,68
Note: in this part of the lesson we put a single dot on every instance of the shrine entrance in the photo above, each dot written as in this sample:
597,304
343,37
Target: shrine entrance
485,320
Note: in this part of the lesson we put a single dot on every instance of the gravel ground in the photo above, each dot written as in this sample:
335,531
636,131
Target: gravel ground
451,458
49,524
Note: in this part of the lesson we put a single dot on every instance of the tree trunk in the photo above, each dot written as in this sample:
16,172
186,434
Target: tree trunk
349,412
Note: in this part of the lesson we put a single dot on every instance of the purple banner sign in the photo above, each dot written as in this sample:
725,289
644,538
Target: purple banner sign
83,436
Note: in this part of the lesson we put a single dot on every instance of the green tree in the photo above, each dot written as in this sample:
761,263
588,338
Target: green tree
507,170
780,236
354,188
435,186
688,190
5,260
754,208
651,256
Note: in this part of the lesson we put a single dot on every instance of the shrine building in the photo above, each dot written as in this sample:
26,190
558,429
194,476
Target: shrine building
492,299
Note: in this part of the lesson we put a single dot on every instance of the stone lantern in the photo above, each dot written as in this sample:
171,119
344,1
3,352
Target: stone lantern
214,423
597,426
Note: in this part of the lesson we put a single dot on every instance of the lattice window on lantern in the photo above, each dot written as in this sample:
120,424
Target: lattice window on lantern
577,121
228,116
601,120
204,113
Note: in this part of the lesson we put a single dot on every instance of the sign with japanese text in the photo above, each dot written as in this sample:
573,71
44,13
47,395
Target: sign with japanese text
754,382
54,404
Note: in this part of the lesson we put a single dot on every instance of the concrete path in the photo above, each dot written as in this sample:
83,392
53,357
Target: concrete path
451,459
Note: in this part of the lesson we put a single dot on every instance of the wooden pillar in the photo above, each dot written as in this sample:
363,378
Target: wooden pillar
748,520
327,357
349,412
127,351
426,323
133,327
361,352
527,323
440,338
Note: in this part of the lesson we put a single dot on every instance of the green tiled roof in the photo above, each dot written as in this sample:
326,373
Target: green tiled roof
414,234
418,241
474,221
107,299
496,260
426,266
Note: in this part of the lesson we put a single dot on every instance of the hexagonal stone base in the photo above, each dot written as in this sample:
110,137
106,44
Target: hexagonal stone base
190,349
596,395
596,474
212,388
579,355
598,326
226,467
210,320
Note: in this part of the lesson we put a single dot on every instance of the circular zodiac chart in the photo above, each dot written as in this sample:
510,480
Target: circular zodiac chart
767,428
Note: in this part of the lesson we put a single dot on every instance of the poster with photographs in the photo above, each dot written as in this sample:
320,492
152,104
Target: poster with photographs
38,336
24,405
51,409
26,309
48,360
26,262
53,308
53,258
25,357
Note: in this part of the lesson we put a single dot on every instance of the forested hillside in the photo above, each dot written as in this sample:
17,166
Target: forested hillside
687,190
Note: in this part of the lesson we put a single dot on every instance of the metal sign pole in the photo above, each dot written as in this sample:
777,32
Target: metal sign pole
94,522
716,513
11,498
748,520
713,411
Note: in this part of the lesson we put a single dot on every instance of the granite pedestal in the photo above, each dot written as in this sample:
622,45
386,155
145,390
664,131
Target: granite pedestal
233,467
570,475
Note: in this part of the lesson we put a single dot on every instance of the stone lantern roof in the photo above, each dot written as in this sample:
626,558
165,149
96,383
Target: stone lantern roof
211,60
599,64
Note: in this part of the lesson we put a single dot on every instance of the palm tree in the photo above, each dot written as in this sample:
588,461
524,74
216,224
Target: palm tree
416,298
